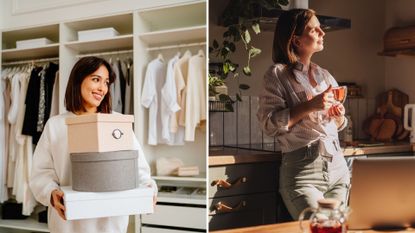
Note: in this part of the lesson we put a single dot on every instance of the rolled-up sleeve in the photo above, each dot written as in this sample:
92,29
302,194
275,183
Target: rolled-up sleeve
273,113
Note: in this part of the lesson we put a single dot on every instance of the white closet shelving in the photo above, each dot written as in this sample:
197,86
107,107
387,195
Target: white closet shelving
176,27
169,30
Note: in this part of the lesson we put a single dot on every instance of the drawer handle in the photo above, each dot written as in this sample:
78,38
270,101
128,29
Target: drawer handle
225,184
117,133
223,208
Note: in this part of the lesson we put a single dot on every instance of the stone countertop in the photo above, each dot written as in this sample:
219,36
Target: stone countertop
219,156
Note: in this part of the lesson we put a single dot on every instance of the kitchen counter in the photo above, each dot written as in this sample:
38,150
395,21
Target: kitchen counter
225,156
293,227
397,147
219,156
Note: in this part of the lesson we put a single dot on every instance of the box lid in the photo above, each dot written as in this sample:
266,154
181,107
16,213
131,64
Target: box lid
104,156
99,117
108,29
71,195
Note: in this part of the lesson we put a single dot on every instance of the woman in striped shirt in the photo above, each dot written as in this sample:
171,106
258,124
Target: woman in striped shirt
298,107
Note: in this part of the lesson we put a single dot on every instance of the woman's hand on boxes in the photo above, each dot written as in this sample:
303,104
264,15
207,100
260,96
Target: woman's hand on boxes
154,201
57,202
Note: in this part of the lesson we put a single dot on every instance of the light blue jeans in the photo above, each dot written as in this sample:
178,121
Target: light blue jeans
306,177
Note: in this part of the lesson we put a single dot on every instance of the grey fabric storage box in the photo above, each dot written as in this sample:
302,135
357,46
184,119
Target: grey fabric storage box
104,171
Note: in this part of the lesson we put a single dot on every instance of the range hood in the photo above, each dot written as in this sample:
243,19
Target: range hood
269,18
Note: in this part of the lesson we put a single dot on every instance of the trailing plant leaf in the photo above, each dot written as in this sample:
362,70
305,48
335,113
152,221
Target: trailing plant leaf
225,98
215,44
256,28
254,51
243,86
247,37
247,71
238,97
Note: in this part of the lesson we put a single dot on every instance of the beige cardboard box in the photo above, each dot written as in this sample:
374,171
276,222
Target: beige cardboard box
83,205
100,133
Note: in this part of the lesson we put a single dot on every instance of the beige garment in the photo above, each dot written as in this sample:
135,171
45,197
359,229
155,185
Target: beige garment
54,108
195,95
180,77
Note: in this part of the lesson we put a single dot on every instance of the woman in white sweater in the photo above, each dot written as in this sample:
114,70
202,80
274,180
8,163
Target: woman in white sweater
87,93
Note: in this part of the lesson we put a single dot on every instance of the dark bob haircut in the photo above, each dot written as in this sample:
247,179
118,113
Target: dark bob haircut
84,67
290,23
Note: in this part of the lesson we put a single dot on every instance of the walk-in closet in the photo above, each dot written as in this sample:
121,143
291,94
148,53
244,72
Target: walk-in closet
146,31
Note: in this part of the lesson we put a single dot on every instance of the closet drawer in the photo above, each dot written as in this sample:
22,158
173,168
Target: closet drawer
146,229
242,179
177,216
242,211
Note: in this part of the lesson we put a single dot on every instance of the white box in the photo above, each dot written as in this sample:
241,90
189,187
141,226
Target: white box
33,43
83,205
100,133
97,34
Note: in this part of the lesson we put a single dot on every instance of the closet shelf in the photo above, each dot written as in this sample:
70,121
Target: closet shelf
200,178
51,50
178,199
29,224
91,46
178,16
174,36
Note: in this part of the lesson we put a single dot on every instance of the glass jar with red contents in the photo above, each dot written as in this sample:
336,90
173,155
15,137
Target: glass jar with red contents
327,218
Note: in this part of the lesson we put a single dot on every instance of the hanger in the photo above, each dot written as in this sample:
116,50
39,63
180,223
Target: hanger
160,57
201,53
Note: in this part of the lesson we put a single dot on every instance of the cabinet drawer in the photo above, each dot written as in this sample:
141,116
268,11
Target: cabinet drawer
146,229
242,179
177,216
242,211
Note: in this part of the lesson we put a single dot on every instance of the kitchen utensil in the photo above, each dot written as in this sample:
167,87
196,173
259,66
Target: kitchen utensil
410,116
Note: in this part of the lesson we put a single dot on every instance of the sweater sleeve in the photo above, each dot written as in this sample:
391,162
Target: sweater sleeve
43,179
144,174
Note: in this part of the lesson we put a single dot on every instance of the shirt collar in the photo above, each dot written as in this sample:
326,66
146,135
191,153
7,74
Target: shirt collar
303,68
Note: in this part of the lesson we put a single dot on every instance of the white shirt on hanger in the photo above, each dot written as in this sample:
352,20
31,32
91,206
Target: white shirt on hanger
151,98
169,105
195,94
180,77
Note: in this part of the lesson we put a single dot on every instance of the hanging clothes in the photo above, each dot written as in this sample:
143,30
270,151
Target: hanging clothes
16,157
121,77
116,90
4,104
180,75
195,110
127,68
54,108
169,105
151,98
36,115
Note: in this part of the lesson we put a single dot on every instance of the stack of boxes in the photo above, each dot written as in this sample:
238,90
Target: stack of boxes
104,168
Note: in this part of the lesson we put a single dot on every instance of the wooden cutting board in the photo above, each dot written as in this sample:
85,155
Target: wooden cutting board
392,101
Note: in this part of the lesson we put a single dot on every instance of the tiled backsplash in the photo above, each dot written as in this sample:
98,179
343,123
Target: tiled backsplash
241,127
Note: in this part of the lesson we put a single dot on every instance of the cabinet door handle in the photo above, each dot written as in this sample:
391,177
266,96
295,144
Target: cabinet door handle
227,185
224,208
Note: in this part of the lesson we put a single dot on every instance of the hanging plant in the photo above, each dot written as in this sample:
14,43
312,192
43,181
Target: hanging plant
238,18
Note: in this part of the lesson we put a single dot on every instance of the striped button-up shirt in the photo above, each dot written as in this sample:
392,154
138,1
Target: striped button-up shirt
280,94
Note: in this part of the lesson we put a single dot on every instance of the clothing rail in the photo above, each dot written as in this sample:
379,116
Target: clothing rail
176,46
105,53
30,61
